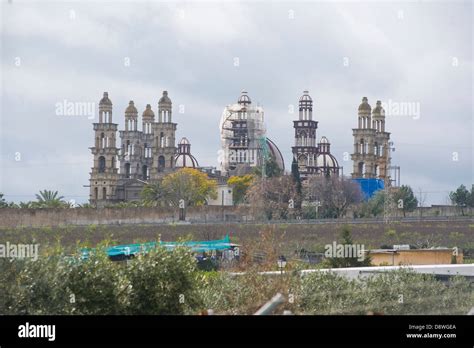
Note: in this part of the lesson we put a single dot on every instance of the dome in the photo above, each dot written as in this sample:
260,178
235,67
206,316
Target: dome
148,112
244,98
324,140
305,101
276,154
184,141
305,96
131,109
325,161
186,161
365,106
105,99
184,157
164,99
378,110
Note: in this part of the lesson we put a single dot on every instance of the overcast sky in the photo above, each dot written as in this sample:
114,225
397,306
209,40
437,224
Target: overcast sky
397,52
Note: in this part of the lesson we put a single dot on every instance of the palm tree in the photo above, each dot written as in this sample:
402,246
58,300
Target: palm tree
50,199
153,194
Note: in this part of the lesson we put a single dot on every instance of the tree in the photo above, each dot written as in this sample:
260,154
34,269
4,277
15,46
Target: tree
49,199
186,187
470,202
461,197
405,199
240,185
271,169
374,206
334,195
272,198
3,202
348,261
153,195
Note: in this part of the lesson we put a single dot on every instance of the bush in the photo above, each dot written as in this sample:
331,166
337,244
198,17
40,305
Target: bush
399,292
160,282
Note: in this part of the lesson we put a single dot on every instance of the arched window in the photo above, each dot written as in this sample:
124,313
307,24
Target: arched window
96,193
113,162
102,140
361,168
104,193
162,139
161,163
145,172
127,170
101,164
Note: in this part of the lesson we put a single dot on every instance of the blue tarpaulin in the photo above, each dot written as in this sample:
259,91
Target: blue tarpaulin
133,249
369,186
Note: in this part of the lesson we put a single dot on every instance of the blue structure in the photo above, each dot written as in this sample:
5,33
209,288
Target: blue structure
369,186
123,252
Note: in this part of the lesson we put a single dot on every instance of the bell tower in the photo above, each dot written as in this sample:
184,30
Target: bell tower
164,149
305,149
131,151
104,174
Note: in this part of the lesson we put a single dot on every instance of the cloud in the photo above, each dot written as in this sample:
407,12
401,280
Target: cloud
406,52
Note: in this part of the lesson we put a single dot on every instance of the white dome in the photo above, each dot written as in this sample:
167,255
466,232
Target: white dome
326,160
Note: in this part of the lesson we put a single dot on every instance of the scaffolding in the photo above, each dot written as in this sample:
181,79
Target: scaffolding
242,129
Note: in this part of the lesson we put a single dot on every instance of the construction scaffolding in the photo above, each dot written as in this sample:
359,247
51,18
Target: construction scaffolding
242,129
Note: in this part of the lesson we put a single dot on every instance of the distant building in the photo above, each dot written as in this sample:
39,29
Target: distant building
120,173
314,159
244,144
371,157
396,257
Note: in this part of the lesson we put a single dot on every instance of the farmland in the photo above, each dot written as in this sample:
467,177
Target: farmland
290,236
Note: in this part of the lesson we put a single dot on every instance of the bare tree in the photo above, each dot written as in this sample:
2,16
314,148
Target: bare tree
272,198
334,194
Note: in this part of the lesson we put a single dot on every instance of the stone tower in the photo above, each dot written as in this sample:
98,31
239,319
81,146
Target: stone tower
148,118
371,157
305,149
104,175
131,153
164,149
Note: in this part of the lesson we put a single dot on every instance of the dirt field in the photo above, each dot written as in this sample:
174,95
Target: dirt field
292,236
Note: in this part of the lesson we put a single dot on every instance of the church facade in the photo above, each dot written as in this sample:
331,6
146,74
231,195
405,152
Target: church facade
120,172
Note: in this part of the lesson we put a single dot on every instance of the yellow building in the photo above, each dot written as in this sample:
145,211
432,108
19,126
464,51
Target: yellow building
395,257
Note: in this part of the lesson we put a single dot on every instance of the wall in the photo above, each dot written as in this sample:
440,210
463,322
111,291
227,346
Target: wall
10,218
415,257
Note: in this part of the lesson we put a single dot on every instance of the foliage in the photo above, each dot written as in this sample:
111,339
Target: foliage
3,203
271,169
191,185
334,194
295,173
346,261
462,197
153,194
270,197
50,199
405,195
397,292
240,185
374,206
162,282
